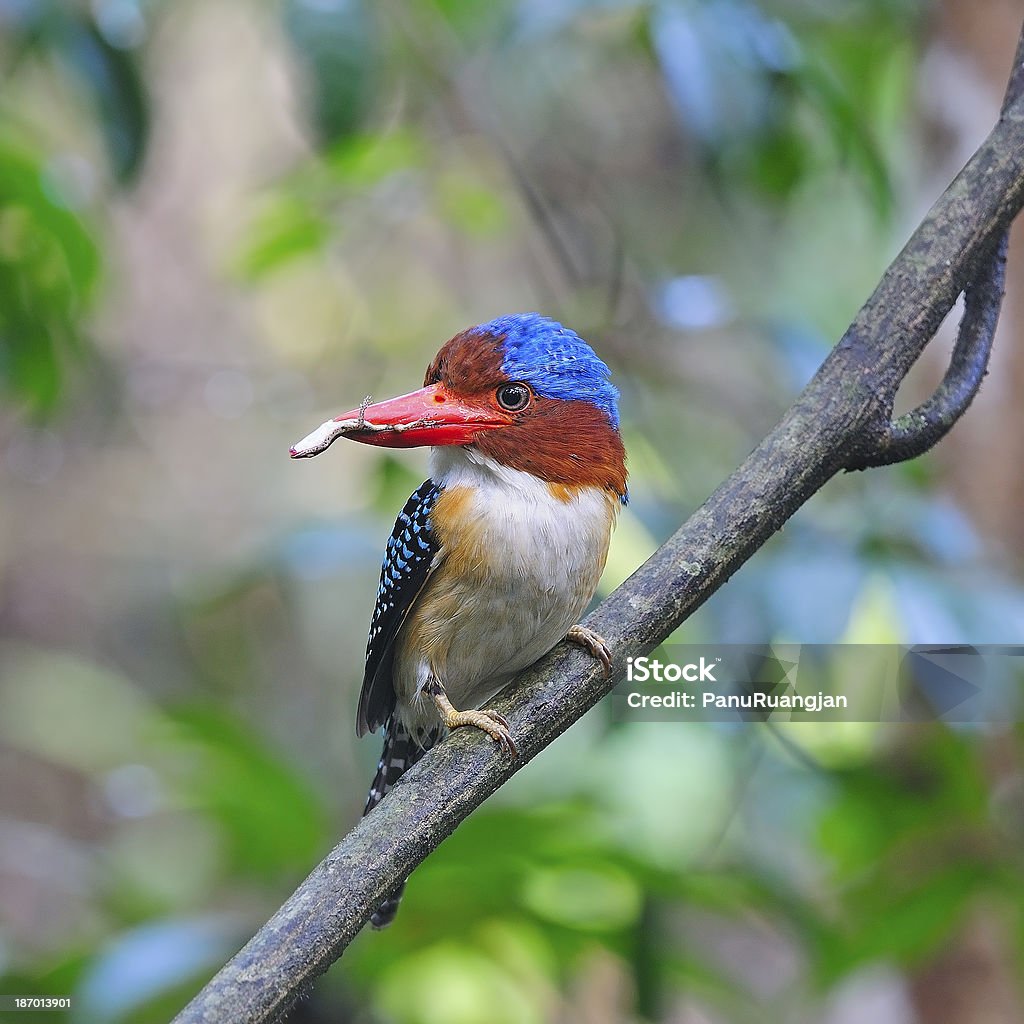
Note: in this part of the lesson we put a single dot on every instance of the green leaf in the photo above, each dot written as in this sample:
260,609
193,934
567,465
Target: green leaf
843,117
780,162
473,21
589,898
49,267
471,207
298,218
339,48
364,160
286,229
273,820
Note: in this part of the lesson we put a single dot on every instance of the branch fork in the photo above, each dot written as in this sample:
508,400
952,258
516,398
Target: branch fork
915,432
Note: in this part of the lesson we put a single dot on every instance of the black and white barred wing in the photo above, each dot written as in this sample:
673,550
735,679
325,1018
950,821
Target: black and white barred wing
409,559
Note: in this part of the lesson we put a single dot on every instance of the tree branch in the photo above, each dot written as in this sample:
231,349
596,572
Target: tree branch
842,419
915,432
918,430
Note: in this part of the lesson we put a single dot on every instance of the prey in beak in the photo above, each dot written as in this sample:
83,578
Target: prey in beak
431,416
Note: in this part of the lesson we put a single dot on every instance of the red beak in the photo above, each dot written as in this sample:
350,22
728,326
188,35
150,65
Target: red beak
430,416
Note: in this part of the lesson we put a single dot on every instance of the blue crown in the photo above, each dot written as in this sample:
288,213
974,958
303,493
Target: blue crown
554,361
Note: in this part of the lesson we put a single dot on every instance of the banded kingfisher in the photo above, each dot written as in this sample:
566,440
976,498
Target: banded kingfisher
497,554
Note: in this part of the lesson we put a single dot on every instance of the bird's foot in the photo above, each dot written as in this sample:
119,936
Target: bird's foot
495,725
592,642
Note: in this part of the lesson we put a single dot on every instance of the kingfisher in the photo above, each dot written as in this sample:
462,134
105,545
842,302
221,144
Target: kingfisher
494,557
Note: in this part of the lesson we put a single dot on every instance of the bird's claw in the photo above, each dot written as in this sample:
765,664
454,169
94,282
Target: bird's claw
496,726
593,643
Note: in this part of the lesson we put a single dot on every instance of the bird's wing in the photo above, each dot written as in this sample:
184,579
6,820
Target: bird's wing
412,554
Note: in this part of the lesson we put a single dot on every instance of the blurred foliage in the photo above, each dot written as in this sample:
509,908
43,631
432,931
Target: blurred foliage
337,44
297,221
49,264
177,668
760,95
49,259
96,44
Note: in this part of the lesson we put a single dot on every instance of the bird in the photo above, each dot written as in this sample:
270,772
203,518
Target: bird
496,555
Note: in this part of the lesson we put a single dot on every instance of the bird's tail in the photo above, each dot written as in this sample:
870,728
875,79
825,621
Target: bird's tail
401,752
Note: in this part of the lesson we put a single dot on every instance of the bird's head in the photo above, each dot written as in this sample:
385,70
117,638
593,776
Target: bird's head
523,390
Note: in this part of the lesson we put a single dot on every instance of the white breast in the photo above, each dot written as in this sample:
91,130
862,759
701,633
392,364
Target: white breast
514,576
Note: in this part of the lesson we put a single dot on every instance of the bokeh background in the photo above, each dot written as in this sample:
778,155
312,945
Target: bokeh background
222,221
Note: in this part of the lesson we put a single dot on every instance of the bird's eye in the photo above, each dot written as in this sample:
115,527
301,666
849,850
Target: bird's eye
513,397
